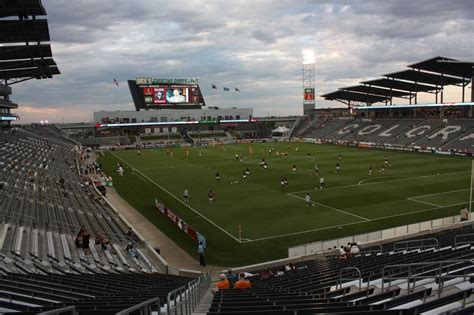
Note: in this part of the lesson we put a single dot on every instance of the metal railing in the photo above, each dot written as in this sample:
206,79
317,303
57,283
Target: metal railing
458,242
144,308
416,244
185,299
61,311
341,278
425,270
373,249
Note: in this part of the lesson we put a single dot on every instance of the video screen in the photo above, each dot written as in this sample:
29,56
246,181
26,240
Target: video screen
163,95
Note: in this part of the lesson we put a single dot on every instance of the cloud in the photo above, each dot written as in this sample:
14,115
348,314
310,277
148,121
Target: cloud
254,45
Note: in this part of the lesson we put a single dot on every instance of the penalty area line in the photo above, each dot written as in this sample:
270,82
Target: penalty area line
353,223
329,207
382,182
185,204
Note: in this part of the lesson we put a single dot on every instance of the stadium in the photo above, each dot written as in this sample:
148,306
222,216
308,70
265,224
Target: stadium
178,203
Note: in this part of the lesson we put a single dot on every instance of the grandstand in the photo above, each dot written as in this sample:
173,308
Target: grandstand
66,248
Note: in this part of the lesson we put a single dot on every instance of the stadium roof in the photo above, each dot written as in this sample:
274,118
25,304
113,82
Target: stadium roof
345,96
401,85
25,54
21,8
375,91
18,31
428,76
425,77
463,69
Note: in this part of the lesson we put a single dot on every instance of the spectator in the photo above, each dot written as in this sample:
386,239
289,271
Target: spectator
232,277
464,214
85,242
266,274
78,239
222,284
201,249
355,250
130,234
342,252
290,267
242,283
131,251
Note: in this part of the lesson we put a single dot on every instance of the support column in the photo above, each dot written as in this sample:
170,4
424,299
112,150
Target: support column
442,88
472,88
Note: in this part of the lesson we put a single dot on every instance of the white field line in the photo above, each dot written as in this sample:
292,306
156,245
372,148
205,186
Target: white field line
382,182
367,179
353,223
424,202
332,208
414,198
185,204
441,193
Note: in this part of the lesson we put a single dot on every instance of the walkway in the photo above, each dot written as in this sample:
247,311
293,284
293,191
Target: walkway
170,251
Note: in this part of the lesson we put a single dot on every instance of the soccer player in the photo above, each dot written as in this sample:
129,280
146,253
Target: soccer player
187,154
244,174
382,169
294,168
139,152
218,177
316,169
321,182
237,157
307,198
186,196
265,165
340,157
285,181
370,170
337,168
282,182
386,159
210,196
247,171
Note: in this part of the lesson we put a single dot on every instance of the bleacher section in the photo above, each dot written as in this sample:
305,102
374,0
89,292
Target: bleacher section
433,280
44,203
434,133
89,294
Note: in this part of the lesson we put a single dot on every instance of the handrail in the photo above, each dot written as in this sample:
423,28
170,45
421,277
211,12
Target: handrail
58,311
179,291
413,273
421,246
350,268
144,307
456,242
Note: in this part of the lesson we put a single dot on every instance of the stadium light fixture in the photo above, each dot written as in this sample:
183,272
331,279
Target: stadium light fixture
308,56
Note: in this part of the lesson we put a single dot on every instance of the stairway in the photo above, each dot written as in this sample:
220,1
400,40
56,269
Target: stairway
205,304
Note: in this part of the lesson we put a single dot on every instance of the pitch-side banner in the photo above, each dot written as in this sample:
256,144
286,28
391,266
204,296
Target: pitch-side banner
183,226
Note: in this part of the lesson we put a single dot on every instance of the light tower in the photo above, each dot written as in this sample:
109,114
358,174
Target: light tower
308,81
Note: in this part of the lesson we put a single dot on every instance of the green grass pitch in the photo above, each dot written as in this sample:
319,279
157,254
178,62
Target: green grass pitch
415,187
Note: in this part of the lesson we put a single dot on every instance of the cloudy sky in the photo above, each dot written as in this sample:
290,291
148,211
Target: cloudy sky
253,45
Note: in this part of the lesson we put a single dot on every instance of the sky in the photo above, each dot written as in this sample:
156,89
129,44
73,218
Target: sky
254,45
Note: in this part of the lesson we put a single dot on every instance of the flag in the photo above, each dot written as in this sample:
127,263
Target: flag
214,86
226,89
116,82
237,90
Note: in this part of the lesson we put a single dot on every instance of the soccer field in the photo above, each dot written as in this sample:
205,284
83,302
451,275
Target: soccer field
415,187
